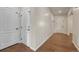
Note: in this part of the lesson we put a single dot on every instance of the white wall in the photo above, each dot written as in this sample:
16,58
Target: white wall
61,24
76,27
41,25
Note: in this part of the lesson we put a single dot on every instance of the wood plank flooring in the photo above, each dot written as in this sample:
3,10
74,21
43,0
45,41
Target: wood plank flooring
57,43
19,47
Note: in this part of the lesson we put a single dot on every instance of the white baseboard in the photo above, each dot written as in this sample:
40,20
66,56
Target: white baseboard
8,44
34,49
75,44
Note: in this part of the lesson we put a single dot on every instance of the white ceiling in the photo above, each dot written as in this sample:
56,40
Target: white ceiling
59,10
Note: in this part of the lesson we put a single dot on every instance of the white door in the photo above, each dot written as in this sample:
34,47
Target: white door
9,26
60,24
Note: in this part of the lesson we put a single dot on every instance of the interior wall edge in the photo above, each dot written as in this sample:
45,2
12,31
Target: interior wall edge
34,49
8,45
75,44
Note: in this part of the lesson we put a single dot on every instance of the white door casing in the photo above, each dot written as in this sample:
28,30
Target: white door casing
25,23
70,23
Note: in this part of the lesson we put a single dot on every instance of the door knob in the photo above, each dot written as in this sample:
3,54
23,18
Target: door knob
17,12
28,29
17,28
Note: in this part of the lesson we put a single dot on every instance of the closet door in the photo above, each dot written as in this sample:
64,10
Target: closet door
9,26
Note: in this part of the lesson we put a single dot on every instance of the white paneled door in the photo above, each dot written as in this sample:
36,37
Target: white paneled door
9,26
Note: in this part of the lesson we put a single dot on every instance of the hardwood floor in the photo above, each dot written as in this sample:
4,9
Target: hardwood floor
57,43
19,47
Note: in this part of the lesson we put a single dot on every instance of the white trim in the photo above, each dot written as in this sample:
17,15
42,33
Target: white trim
8,44
34,49
75,44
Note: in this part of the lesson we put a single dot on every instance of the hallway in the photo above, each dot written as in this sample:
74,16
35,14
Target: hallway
57,43
34,26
